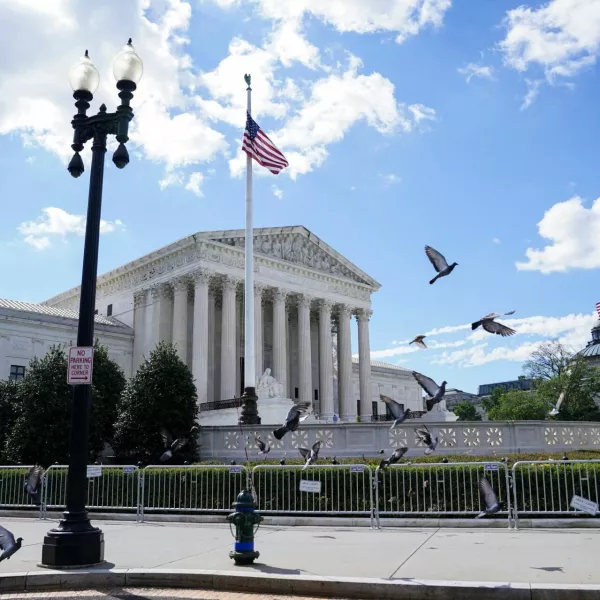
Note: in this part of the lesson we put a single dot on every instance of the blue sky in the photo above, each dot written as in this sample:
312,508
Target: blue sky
468,126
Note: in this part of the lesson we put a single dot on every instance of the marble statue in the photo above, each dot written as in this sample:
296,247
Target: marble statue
268,386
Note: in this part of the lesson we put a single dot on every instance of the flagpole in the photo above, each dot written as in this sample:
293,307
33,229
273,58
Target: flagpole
249,412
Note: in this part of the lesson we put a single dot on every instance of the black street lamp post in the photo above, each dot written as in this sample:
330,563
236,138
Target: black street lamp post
75,542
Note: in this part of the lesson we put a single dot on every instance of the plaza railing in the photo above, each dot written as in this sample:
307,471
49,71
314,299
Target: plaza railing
111,488
333,490
12,487
438,489
192,489
548,488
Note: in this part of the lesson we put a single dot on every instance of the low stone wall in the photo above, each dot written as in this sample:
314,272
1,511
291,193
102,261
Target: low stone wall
356,439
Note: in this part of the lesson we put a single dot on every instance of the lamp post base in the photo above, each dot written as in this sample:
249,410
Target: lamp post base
68,548
249,412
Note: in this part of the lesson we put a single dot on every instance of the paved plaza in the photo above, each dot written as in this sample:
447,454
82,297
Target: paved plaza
493,555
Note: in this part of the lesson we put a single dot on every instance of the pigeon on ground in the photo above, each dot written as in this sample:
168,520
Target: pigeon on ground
435,391
425,436
556,408
419,341
311,456
8,545
439,263
297,413
32,483
263,447
488,498
173,446
491,326
400,415
397,454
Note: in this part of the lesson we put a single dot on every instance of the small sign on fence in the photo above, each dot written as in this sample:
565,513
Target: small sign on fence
94,471
490,467
235,469
584,505
128,469
357,468
310,486
81,364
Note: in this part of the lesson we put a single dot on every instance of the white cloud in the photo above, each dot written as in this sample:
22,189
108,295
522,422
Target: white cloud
194,184
277,192
574,234
30,160
389,179
561,37
533,89
496,240
58,222
475,70
171,178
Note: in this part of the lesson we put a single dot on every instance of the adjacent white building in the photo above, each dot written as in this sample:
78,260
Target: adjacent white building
308,297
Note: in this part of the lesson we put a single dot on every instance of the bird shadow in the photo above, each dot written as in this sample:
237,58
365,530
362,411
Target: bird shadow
548,569
275,570
328,537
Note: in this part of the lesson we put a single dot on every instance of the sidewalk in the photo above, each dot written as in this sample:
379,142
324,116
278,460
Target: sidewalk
494,555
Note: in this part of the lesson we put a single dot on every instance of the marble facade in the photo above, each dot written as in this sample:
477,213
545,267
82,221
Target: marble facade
307,296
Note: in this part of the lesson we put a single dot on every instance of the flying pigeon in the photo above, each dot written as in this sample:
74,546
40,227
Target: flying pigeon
264,447
425,436
436,392
491,326
32,483
297,413
400,415
171,445
397,454
489,498
311,456
419,341
556,408
8,545
439,263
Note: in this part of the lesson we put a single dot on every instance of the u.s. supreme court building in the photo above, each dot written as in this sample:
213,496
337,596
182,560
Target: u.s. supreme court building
308,298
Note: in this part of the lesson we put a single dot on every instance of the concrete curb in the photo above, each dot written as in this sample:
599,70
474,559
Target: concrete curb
325,587
270,520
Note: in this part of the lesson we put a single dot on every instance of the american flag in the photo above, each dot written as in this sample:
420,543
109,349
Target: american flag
258,146
598,309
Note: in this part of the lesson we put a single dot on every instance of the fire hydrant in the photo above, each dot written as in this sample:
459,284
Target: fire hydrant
245,519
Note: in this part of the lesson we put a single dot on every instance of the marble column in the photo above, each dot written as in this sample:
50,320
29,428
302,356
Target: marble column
304,353
140,299
325,361
200,335
280,338
228,335
180,316
152,319
364,365
211,344
258,329
347,403
165,313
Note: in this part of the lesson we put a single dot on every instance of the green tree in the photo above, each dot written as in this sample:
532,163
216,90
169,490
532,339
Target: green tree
41,431
161,394
580,384
494,399
465,411
551,359
8,405
517,405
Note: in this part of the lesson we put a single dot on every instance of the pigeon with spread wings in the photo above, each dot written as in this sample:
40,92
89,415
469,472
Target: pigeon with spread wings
488,499
310,456
436,392
397,454
556,408
492,326
295,416
439,263
424,435
33,481
263,447
419,342
400,415
172,446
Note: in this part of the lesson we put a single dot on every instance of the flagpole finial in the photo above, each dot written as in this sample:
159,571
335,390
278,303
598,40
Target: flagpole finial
247,80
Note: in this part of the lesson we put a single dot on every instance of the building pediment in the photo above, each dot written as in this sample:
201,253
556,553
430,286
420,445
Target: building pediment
295,245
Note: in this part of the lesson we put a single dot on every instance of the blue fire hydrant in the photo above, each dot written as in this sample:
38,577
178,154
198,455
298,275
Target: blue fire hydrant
245,520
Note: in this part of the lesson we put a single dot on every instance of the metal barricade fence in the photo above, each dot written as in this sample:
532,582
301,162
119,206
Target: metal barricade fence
194,488
428,489
114,488
12,487
547,487
318,490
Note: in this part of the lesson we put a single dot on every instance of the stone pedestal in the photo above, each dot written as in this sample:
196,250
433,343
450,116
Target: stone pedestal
438,414
272,411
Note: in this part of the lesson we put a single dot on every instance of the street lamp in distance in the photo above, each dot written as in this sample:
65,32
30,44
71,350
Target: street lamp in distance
75,542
